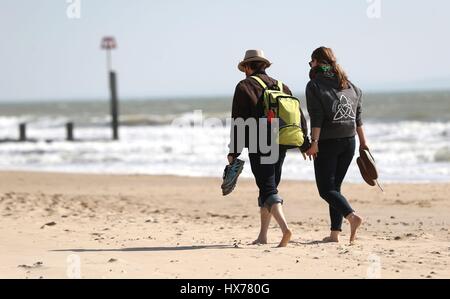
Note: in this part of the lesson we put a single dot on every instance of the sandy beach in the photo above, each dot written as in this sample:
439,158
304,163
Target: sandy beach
135,226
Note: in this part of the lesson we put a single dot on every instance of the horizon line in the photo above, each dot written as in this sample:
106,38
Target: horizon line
198,96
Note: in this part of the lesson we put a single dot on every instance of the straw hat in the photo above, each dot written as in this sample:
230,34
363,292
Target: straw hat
253,55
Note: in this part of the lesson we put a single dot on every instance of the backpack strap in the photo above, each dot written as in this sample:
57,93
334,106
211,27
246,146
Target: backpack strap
280,85
260,81
264,85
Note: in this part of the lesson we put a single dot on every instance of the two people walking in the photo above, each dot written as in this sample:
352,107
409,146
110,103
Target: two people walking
334,105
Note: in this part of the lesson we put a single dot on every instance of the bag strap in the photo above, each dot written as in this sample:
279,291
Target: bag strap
280,85
264,85
260,81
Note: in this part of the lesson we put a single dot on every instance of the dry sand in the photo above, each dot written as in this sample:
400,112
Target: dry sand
175,227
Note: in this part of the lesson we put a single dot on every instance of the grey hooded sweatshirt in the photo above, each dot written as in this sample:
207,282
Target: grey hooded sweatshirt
336,112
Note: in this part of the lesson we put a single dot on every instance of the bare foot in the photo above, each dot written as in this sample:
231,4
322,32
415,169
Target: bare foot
330,239
286,238
260,241
333,238
355,222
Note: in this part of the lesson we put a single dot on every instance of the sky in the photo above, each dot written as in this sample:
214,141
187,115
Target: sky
192,48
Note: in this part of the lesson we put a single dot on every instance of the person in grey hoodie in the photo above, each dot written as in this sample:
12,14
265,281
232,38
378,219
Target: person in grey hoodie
335,107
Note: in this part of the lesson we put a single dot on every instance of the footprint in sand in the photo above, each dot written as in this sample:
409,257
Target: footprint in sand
49,224
34,266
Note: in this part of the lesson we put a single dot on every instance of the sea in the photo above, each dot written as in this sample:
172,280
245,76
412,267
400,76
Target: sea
408,133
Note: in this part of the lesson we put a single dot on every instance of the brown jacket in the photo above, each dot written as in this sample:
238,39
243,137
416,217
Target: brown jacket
247,103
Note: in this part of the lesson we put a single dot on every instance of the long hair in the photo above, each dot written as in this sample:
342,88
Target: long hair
326,56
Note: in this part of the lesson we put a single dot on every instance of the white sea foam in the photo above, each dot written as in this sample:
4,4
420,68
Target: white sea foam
407,151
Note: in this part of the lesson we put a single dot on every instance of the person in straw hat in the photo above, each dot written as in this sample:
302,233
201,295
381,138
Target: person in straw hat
247,104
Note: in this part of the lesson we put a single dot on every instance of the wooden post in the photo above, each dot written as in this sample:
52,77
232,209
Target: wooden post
114,105
23,132
69,131
108,44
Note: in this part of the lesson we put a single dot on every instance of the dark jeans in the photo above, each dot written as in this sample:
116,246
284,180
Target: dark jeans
267,177
331,165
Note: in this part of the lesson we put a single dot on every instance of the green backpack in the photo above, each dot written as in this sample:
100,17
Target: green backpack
286,108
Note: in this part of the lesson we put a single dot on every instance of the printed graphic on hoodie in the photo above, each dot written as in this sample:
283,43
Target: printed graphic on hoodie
344,110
